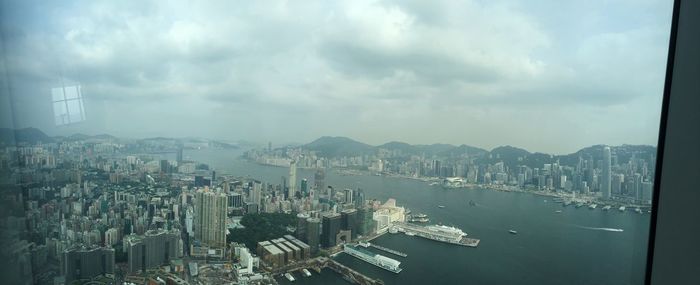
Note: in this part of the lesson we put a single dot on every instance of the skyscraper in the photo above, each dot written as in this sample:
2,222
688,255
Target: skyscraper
605,183
292,180
319,181
304,187
349,221
85,263
155,248
210,218
330,229
313,231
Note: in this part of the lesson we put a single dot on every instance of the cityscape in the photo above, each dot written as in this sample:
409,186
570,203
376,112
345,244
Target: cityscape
105,210
331,142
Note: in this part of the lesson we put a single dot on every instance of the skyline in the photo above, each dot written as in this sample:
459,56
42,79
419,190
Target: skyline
482,74
257,144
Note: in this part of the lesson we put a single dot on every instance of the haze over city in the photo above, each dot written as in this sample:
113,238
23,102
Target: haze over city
549,77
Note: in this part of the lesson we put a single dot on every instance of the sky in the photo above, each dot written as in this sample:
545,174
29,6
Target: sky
547,76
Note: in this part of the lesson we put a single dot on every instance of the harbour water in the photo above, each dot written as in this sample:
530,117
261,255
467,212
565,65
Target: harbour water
576,246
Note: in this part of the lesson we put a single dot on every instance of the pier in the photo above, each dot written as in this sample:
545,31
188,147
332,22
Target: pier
389,250
317,264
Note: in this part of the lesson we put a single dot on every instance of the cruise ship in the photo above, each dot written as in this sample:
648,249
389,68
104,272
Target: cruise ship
438,233
378,260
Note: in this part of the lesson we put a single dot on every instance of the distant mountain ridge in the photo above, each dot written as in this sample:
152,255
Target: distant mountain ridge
26,135
511,156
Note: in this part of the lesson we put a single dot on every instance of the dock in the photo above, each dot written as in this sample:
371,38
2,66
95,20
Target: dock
389,250
317,264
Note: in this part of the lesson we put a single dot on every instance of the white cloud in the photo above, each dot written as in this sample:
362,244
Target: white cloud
369,69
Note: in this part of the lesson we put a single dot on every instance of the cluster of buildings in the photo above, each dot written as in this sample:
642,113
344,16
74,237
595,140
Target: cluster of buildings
107,211
624,173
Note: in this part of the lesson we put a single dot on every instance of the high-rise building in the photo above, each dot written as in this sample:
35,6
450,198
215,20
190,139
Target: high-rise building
359,199
616,186
256,192
300,232
304,187
349,221
210,218
348,196
605,185
330,229
292,180
155,248
366,224
86,263
313,232
179,155
319,181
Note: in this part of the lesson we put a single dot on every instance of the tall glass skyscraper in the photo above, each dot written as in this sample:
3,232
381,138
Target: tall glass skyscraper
607,173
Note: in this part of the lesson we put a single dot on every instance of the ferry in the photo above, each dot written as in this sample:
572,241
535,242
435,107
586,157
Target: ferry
513,232
289,277
306,272
419,220
622,208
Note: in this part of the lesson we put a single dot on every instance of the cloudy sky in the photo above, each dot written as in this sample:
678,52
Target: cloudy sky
550,76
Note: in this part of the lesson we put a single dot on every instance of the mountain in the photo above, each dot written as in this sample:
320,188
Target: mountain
27,135
339,146
464,150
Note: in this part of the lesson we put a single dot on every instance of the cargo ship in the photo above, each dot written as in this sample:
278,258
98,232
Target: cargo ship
378,260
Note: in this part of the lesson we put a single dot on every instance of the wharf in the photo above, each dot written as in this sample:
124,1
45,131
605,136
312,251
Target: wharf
389,250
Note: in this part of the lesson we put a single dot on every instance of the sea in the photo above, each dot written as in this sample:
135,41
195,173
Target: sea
576,246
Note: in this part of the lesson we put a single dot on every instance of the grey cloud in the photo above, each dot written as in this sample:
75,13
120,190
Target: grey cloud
358,61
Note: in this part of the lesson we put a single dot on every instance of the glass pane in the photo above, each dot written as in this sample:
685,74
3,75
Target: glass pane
57,94
72,92
434,142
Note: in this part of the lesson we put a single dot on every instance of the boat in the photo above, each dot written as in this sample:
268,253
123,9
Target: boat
567,203
410,234
557,211
440,233
607,207
289,277
306,272
419,220
441,206
579,205
513,232
420,216
408,211
393,230
472,203
592,206
638,210
622,208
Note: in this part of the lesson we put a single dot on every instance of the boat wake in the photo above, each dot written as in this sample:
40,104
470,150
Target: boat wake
602,229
